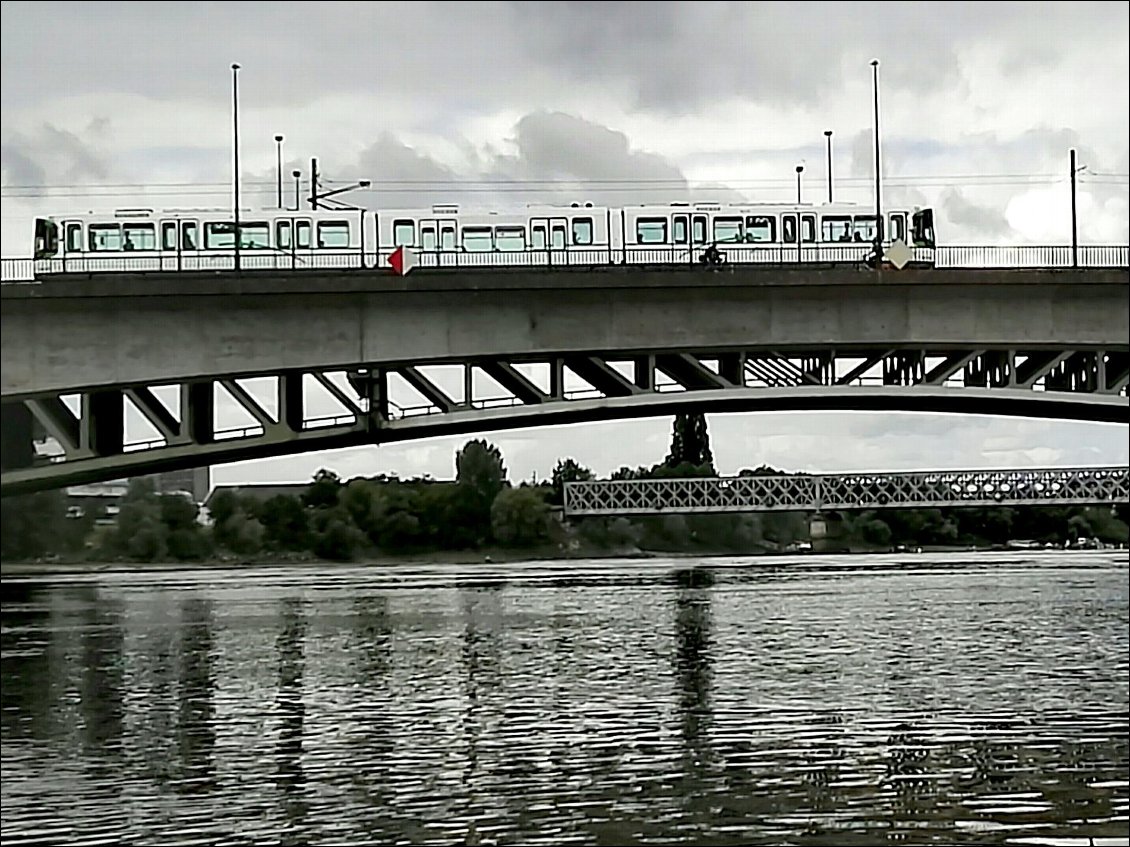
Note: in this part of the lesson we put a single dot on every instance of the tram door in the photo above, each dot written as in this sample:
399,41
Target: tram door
190,245
548,241
167,245
681,237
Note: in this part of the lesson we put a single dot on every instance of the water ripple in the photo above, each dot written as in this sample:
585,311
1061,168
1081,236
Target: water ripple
813,700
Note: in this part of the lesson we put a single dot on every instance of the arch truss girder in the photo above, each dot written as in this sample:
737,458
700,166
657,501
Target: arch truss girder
189,423
846,492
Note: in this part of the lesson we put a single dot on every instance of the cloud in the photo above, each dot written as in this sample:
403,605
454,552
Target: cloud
50,154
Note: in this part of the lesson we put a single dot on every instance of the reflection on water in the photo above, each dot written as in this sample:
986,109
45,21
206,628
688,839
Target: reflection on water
823,700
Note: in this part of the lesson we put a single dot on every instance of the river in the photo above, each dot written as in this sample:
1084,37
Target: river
949,698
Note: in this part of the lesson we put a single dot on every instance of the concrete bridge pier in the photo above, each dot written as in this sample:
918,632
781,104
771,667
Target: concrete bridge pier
16,429
827,531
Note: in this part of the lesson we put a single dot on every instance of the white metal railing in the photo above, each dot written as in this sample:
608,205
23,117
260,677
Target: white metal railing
15,270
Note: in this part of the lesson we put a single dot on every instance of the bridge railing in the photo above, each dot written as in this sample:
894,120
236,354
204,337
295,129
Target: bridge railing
14,270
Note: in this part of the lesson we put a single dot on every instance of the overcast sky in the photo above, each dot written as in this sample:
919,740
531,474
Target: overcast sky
106,104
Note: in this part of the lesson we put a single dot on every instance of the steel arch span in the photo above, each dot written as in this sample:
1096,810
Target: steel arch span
377,404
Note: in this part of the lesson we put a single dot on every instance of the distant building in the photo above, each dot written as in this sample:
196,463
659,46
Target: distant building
195,481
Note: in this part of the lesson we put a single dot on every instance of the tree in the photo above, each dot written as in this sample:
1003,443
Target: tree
285,526
690,442
479,467
566,470
518,517
323,492
480,475
31,525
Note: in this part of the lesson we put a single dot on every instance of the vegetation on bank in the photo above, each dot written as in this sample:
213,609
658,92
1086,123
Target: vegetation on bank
481,510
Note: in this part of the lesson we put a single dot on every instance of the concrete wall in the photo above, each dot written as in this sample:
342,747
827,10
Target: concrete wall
67,334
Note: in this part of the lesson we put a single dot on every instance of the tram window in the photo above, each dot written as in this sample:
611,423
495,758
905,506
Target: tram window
510,238
761,228
447,238
679,229
788,229
835,228
282,235
219,236
74,238
582,230
188,235
477,239
428,237
404,233
333,234
727,229
302,233
168,236
537,238
808,229
651,231
255,236
864,228
105,237
698,229
557,238
139,237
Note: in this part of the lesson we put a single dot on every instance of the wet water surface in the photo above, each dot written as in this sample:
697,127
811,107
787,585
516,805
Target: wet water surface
968,698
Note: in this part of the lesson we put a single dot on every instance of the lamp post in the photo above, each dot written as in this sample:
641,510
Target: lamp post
828,135
1074,213
297,177
878,187
278,161
235,145
799,171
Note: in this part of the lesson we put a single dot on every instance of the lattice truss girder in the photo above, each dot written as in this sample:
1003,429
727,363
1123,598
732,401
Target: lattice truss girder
93,431
845,492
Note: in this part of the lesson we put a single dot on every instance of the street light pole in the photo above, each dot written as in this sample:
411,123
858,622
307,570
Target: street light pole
799,171
297,176
878,186
1074,217
278,160
235,144
828,135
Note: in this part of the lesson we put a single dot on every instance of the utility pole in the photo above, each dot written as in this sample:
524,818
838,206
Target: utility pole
1074,216
313,183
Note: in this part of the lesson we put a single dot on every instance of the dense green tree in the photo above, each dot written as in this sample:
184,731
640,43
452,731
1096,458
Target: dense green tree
222,505
323,492
566,470
690,442
519,517
243,534
337,538
34,525
285,525
480,468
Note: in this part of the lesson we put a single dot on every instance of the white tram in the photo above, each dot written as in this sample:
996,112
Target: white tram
447,236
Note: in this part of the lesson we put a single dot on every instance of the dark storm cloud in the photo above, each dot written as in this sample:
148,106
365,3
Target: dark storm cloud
47,155
556,158
985,220
681,57
669,57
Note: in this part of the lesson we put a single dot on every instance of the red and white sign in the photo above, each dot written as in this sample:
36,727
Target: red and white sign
402,260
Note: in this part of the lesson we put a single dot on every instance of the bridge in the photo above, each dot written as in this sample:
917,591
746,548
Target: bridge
84,354
848,492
